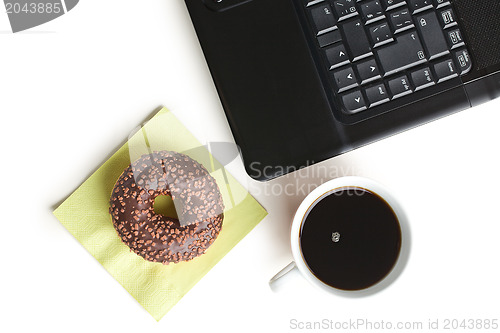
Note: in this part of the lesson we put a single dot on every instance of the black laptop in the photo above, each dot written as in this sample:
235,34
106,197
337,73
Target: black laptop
305,80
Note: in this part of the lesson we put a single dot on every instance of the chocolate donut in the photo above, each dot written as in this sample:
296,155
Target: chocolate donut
196,197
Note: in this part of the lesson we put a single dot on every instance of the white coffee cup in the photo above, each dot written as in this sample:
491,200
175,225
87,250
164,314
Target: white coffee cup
299,265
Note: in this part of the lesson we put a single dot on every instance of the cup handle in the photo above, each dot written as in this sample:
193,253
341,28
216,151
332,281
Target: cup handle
290,270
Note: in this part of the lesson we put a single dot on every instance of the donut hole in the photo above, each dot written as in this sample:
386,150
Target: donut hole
164,205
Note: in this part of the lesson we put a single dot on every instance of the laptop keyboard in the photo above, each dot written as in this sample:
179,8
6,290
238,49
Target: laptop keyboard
377,51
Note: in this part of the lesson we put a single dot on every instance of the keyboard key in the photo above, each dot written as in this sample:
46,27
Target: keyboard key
336,56
345,8
391,4
447,18
354,102
309,3
433,38
454,38
371,11
464,62
400,86
445,70
441,3
417,6
323,18
405,53
401,20
380,34
368,71
345,79
329,38
356,39
377,95
422,78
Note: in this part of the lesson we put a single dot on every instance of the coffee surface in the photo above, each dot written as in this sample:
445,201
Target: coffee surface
350,239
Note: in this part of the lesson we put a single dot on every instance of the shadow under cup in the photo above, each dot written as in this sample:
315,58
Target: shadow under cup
350,238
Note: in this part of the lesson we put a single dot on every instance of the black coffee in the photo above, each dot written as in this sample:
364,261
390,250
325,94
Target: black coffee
350,239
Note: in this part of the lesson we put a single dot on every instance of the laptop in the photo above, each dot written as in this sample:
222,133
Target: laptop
302,81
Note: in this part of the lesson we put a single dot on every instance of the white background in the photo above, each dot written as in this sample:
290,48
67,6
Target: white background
72,90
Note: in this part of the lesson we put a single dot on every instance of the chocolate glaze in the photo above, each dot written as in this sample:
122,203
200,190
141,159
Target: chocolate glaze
196,197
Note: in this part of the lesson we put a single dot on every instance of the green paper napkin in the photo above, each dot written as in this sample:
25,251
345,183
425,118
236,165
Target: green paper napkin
155,286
